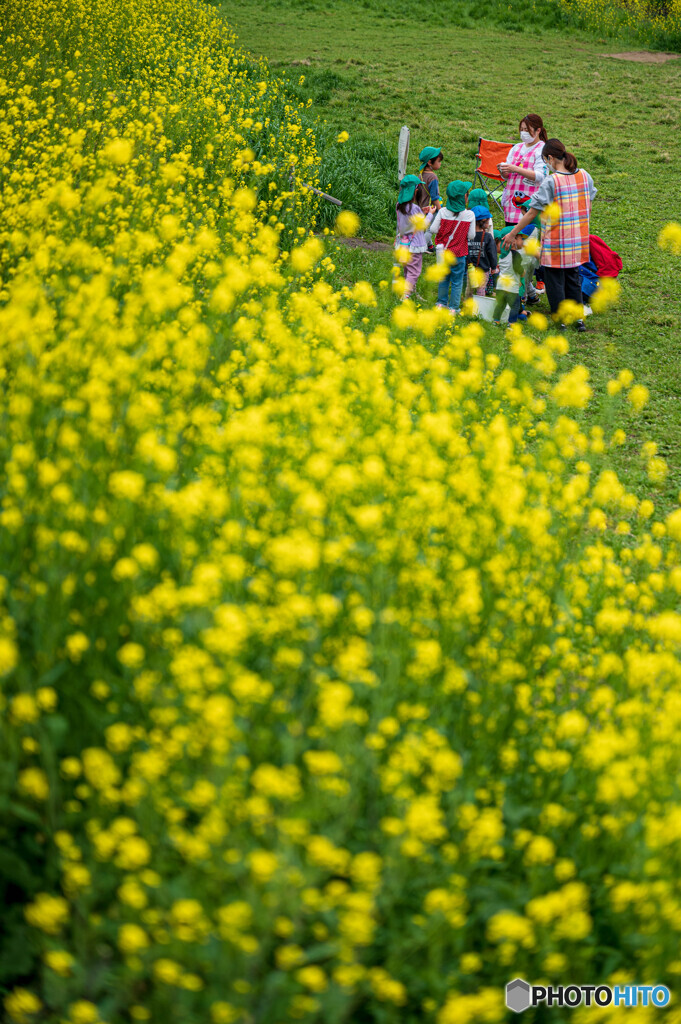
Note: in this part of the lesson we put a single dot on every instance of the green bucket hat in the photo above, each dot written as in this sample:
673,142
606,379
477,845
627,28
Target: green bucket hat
478,197
408,187
429,153
456,195
501,234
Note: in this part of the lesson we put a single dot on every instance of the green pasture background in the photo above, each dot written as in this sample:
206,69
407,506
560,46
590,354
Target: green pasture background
452,74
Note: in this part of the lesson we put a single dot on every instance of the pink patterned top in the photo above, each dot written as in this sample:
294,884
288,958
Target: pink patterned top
530,159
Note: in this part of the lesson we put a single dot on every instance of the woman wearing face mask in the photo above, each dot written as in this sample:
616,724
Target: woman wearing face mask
524,169
565,239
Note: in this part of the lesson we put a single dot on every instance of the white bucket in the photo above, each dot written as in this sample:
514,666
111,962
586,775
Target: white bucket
484,307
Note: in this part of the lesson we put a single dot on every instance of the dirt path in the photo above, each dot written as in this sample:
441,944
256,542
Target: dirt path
359,243
644,56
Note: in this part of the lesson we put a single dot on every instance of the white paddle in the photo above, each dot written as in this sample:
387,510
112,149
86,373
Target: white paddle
402,153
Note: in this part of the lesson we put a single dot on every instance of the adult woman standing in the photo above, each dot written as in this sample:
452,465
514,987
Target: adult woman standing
565,238
524,169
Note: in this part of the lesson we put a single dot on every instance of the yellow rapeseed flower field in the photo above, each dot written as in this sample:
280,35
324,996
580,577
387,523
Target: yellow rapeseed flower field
340,672
651,19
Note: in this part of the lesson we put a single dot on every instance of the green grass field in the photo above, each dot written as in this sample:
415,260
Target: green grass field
370,72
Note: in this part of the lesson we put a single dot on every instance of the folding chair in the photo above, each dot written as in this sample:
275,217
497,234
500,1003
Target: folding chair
490,154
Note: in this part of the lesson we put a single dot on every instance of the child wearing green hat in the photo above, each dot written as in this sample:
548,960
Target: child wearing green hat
431,159
411,229
511,273
478,197
453,228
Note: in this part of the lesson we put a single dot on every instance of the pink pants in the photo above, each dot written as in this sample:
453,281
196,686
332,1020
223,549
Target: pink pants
483,286
412,270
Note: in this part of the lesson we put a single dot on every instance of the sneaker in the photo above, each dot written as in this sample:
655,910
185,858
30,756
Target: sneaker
532,300
497,323
539,286
581,326
588,311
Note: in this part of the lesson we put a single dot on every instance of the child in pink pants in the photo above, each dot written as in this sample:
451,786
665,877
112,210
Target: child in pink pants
411,201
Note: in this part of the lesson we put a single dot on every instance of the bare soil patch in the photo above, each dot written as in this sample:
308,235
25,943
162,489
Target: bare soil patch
644,56
359,243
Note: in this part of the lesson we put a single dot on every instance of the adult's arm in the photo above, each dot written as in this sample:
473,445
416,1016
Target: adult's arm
543,197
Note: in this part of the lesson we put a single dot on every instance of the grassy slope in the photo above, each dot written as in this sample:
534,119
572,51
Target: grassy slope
370,73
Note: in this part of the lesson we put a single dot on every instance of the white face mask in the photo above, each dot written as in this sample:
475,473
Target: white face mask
526,138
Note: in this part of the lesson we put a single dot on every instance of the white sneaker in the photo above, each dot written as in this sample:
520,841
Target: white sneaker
588,311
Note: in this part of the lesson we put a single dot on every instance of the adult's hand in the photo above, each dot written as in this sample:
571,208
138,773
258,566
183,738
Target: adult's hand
508,240
507,169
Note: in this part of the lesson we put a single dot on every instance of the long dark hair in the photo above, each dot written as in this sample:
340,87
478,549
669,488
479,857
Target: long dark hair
535,123
420,195
556,149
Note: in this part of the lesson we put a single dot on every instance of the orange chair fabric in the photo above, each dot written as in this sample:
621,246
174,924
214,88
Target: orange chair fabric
490,154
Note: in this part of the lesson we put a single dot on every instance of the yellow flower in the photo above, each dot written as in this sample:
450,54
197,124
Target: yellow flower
539,850
59,961
49,913
476,276
342,137
572,389
132,939
83,1012
312,977
222,1012
552,214
118,152
532,246
24,708
21,1005
606,295
9,655
670,237
167,971
33,782
638,396
347,223
263,864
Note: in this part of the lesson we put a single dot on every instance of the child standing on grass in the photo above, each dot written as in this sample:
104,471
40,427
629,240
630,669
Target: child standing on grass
511,272
411,229
482,252
452,229
431,159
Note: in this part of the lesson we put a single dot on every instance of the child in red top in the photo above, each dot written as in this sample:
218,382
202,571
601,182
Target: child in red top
453,227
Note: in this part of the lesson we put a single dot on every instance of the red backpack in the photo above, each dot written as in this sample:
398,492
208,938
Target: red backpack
453,235
608,263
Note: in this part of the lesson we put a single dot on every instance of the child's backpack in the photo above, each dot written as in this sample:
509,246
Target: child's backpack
608,263
453,235
588,275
